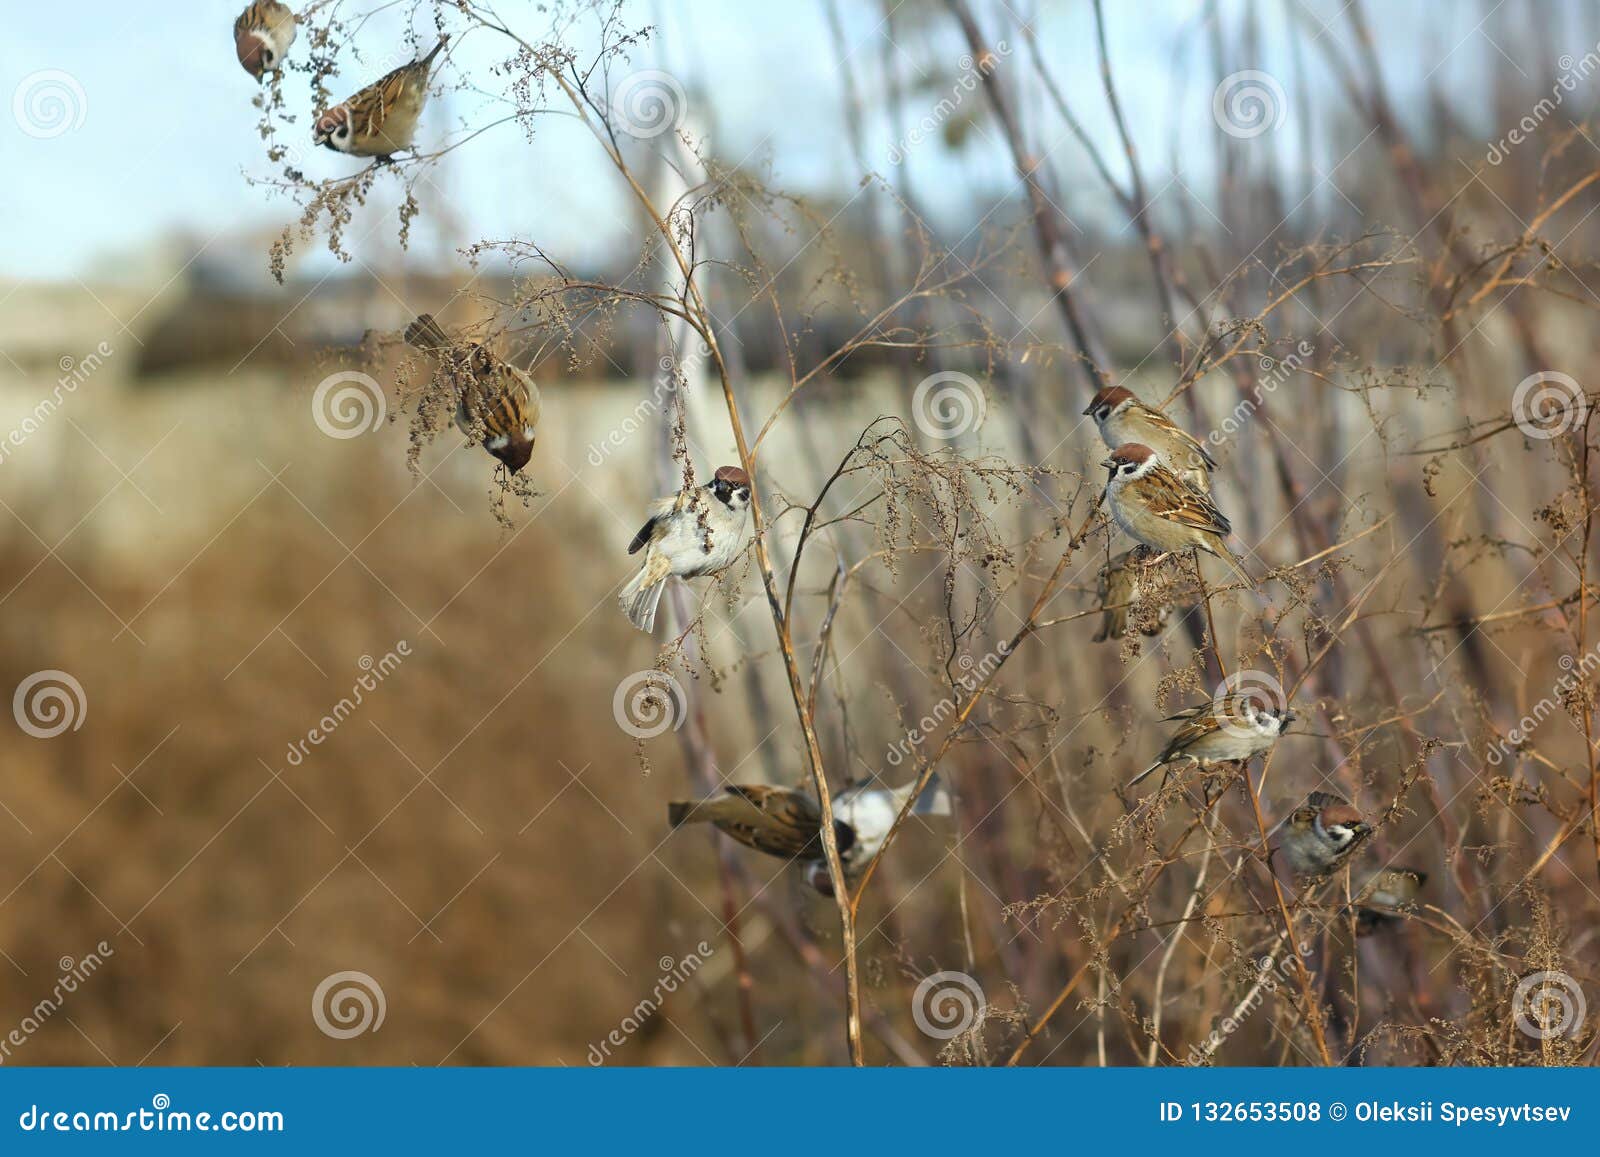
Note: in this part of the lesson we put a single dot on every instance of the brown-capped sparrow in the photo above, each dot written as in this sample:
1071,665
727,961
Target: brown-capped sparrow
1161,511
1387,892
381,119
692,533
1321,834
1119,592
787,823
494,399
1123,418
262,36
1234,727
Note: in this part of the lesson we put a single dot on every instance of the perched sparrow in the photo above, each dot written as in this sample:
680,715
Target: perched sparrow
1160,510
693,533
1123,418
868,813
381,119
784,822
1119,590
1321,834
1234,727
492,395
1388,891
779,821
262,35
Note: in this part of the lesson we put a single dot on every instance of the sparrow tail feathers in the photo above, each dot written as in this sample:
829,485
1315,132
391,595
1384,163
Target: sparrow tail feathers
640,597
426,334
934,800
1143,775
683,812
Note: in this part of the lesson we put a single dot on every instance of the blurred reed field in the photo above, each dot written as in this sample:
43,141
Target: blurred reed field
330,743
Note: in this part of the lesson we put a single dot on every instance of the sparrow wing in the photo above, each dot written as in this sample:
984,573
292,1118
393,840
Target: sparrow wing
1159,420
779,821
1325,799
656,526
1167,496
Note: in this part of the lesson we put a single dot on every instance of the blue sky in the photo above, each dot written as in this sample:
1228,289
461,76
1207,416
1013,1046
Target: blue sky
167,126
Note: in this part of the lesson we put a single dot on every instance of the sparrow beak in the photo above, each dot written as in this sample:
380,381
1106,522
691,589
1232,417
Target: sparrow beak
1108,464
1089,409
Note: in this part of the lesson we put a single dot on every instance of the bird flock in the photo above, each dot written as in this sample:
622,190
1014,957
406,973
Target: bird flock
1158,491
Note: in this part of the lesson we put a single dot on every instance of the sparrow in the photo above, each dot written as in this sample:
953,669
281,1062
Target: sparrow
262,36
785,822
381,119
492,395
779,821
1123,418
1161,511
868,813
1321,834
1388,891
1234,727
692,533
1119,591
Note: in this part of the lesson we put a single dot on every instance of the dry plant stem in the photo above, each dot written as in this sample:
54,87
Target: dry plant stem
1196,895
1116,929
699,317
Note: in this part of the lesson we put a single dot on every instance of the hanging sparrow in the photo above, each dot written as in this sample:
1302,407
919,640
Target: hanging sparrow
1119,591
493,397
1159,510
262,36
1321,834
1388,892
779,821
1123,418
1233,728
785,822
868,813
692,533
381,119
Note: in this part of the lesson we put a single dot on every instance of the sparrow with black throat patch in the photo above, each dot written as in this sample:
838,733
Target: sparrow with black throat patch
1234,728
1321,834
262,36
1123,418
381,119
1159,510
494,399
692,533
